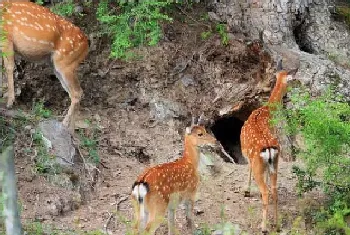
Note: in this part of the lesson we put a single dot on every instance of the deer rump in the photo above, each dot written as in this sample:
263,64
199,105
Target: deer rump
269,156
139,191
269,145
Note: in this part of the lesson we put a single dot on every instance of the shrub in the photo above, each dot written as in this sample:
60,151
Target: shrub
133,25
324,124
65,8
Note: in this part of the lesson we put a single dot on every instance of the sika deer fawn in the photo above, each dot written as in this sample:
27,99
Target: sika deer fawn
162,187
260,145
36,33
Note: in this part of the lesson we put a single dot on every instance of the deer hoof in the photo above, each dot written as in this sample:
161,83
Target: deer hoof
277,227
246,194
264,232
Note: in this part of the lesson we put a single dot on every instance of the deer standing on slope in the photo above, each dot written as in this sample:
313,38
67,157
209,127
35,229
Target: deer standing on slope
260,145
36,33
162,187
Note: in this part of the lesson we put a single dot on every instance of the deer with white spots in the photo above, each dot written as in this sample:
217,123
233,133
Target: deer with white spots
162,187
260,146
36,33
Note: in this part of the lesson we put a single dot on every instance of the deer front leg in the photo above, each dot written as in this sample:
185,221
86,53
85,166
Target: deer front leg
189,214
171,221
9,64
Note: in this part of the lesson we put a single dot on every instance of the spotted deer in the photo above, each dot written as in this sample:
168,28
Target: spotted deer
260,146
162,187
36,33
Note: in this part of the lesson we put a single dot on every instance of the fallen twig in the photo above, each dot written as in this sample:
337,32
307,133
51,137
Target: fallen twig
227,155
120,200
105,226
103,165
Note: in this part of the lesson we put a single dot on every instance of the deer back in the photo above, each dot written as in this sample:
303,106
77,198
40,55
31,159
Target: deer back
169,178
257,133
35,31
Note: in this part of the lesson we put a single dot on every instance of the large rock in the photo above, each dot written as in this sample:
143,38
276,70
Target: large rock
58,142
318,73
162,109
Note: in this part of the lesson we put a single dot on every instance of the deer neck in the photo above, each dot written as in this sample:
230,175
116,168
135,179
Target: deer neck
279,90
191,154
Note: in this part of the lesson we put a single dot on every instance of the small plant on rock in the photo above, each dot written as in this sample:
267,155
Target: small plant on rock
40,112
89,142
221,29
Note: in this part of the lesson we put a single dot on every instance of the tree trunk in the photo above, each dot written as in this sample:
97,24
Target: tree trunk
9,192
307,25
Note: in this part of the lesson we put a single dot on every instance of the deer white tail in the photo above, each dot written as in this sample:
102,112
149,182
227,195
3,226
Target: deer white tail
269,156
140,190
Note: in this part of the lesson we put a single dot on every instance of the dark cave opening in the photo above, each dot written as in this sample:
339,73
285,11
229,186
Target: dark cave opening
228,130
300,31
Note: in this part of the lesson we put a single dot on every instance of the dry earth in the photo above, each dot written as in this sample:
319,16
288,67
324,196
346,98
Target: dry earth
183,74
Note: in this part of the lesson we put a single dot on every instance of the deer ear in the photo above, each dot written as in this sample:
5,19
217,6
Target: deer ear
188,130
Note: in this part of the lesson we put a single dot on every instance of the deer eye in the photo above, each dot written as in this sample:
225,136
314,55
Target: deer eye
200,134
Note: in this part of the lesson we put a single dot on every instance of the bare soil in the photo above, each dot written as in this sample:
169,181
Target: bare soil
183,73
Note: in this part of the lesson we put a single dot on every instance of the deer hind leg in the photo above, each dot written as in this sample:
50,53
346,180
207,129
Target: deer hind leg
273,179
9,64
136,226
155,217
247,191
68,78
189,213
258,171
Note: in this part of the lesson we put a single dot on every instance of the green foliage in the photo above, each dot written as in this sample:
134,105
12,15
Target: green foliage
334,223
324,124
39,2
296,227
136,24
89,142
7,133
221,29
44,161
204,230
205,35
226,227
345,12
37,228
306,180
65,8
40,111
